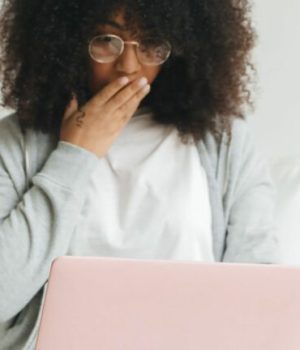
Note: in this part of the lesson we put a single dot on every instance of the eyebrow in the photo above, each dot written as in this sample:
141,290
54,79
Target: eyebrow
113,24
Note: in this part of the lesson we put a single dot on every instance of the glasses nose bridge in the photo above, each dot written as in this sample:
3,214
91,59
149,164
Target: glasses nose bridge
130,64
131,42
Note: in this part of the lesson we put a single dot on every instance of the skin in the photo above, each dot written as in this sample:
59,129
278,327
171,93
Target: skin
126,65
118,89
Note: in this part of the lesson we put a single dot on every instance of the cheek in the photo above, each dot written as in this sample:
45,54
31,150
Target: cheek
99,75
151,73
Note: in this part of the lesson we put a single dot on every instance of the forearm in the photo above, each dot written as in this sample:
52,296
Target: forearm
40,226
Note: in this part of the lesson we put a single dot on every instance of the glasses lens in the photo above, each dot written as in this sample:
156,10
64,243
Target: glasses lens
154,51
105,48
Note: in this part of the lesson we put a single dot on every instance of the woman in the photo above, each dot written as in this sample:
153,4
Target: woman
128,140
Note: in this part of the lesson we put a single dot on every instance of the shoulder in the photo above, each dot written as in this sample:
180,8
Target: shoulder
9,125
241,141
229,149
235,163
16,144
11,137
239,138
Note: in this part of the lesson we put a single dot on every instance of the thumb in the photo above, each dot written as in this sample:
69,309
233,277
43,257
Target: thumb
71,107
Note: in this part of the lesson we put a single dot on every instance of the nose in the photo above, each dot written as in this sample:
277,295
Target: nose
128,63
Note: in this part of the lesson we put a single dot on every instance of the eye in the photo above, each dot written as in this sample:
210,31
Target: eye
149,44
105,38
154,47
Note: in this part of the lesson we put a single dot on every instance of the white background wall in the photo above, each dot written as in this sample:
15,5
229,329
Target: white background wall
276,121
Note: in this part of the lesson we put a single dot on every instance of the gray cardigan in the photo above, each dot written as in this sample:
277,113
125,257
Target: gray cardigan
42,188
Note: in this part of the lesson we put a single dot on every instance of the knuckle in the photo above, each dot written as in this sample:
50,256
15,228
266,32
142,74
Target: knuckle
123,114
123,108
119,99
119,113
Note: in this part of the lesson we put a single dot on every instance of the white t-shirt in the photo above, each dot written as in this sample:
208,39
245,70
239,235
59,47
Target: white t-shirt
148,198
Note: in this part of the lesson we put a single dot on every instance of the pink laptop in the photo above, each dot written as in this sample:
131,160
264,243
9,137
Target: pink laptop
127,304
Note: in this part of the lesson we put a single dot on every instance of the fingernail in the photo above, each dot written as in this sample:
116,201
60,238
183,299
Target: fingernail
146,88
124,80
143,81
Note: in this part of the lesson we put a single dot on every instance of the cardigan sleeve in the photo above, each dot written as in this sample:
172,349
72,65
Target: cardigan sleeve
249,201
37,225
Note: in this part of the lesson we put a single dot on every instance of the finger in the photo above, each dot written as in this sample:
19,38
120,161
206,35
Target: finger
127,110
71,107
109,91
126,94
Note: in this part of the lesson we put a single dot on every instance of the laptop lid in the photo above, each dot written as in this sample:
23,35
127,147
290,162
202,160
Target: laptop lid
128,304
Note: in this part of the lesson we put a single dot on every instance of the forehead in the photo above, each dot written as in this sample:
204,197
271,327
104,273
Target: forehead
116,23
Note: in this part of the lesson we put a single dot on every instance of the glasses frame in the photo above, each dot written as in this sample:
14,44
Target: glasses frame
123,43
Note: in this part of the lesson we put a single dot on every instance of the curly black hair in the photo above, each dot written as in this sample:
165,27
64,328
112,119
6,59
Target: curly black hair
203,86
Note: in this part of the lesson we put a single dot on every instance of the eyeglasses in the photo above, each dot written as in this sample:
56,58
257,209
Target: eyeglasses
108,47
